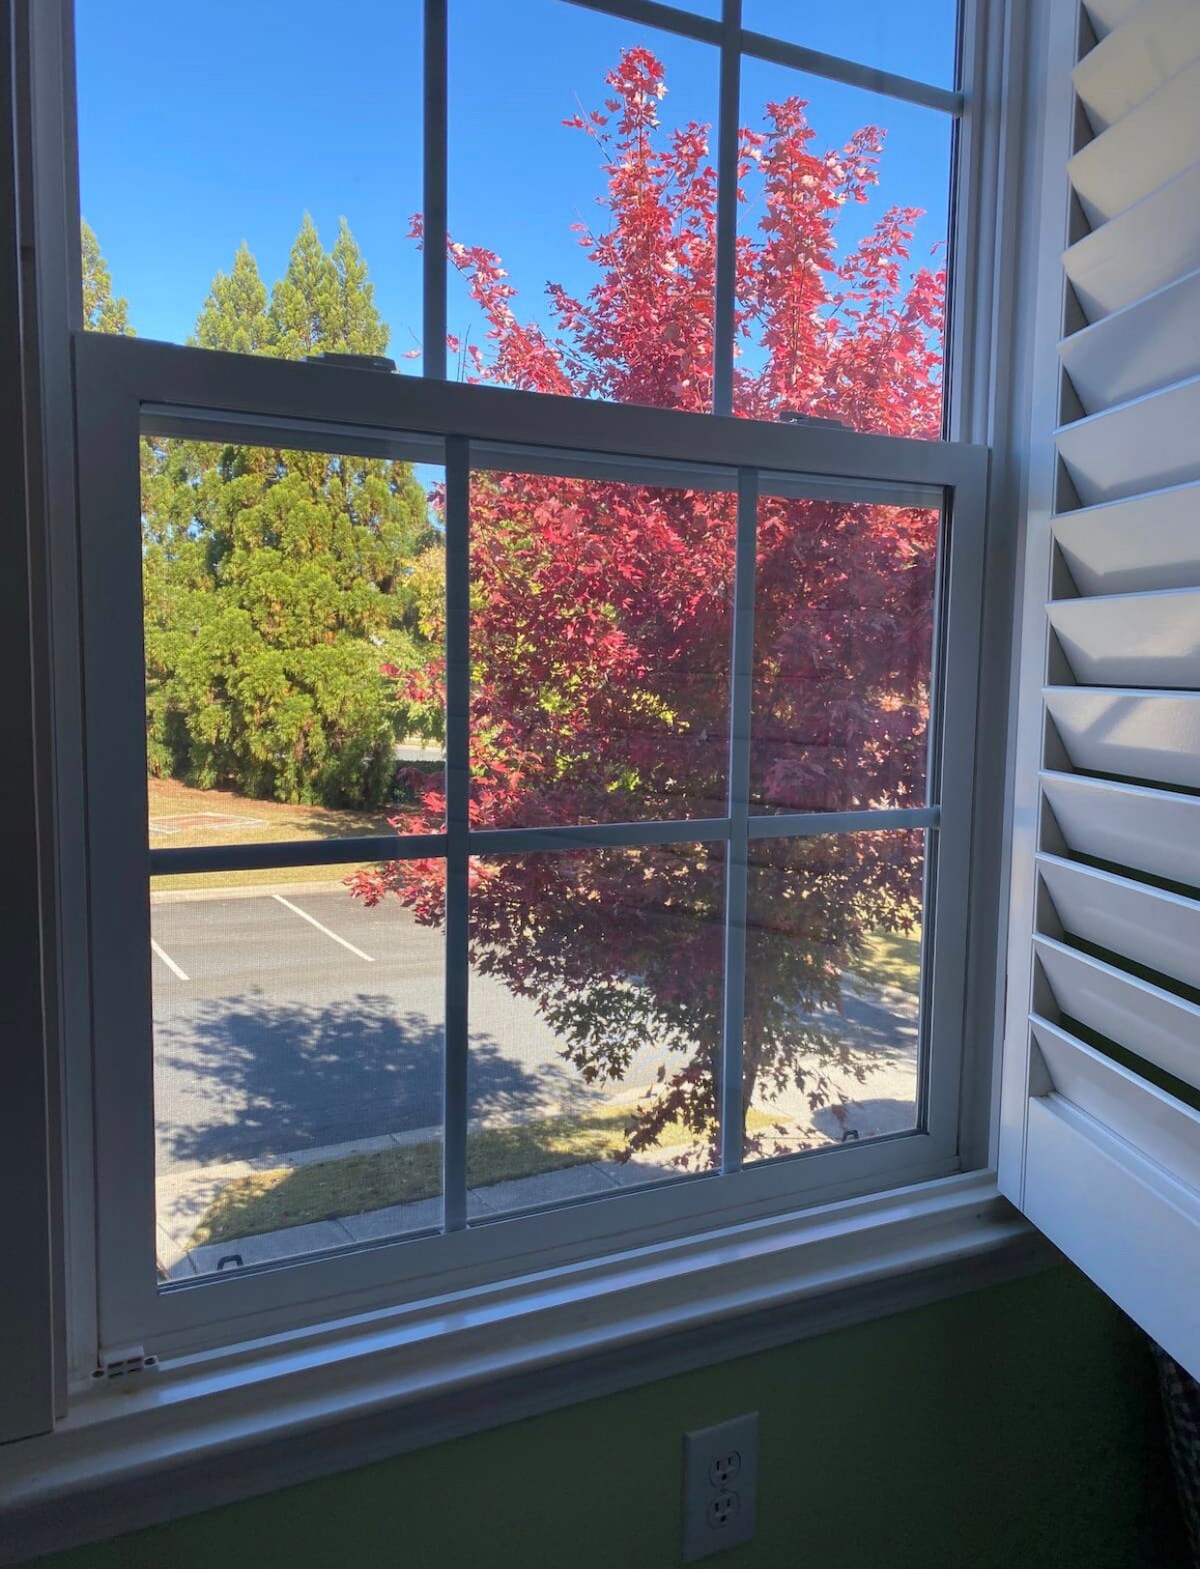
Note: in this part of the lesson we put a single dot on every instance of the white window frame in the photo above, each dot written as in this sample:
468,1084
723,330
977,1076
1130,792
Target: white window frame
125,386
533,1292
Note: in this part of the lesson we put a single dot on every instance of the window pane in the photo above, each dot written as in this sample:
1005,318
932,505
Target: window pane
263,202
600,638
293,629
843,649
298,1065
915,40
582,253
833,989
595,1009
841,273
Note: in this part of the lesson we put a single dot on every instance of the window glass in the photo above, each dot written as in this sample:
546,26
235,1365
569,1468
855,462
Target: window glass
582,257
293,624
298,1065
843,648
833,990
916,40
242,191
293,636
842,254
582,201
600,645
595,1009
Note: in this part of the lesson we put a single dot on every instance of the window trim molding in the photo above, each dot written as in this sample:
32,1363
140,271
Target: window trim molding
219,1426
26,1150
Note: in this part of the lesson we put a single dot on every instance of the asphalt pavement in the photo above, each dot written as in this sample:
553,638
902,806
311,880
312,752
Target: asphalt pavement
299,1019
295,1019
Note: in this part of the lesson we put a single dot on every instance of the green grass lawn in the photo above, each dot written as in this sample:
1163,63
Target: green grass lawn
891,959
296,1196
181,816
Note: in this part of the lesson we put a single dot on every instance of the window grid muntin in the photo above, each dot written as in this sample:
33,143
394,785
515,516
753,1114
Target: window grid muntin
728,126
434,192
458,825
737,853
780,51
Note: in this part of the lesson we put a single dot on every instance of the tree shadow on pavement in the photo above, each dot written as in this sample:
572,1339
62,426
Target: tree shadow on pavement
249,1077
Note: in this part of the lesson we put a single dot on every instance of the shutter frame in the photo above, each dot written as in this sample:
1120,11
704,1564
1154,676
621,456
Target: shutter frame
1096,1146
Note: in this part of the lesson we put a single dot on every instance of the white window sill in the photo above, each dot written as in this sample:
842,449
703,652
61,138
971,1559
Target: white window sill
219,1426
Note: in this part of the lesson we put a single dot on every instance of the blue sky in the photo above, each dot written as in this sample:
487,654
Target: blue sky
203,123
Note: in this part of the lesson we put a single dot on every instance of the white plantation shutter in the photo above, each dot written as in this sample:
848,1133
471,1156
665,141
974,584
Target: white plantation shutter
1101,1133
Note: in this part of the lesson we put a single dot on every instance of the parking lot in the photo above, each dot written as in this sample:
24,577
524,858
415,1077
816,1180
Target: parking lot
297,1019
288,1020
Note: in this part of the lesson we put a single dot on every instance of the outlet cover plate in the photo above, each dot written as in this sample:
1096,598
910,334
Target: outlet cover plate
720,1484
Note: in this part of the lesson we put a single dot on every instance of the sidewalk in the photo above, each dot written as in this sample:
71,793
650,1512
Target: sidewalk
184,1199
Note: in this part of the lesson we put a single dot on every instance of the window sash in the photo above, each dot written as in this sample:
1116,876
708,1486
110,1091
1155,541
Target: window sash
124,385
735,44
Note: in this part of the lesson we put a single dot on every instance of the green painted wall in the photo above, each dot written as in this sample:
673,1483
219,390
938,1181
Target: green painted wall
1015,1427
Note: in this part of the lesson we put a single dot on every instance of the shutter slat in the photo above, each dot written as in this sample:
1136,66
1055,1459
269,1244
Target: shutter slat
1140,543
1158,39
1154,1024
1139,1112
1146,925
1108,14
1151,831
1114,265
1157,139
1138,640
1146,444
1149,344
1136,735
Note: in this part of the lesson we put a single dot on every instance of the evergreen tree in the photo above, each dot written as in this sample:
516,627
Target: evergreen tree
276,582
234,316
103,311
324,302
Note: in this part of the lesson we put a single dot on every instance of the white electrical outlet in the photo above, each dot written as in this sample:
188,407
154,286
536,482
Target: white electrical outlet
720,1479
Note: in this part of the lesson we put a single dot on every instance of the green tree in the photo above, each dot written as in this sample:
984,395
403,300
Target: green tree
234,316
103,311
278,604
324,301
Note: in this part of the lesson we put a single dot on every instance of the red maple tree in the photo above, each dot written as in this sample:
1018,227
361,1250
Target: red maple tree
601,622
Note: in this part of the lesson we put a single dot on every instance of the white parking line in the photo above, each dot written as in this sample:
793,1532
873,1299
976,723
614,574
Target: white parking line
167,960
312,921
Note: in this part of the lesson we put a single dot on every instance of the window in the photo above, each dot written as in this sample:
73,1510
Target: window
672,871
598,874
682,712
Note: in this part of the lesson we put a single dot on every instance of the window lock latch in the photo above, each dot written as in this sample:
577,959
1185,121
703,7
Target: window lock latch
353,361
122,1362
